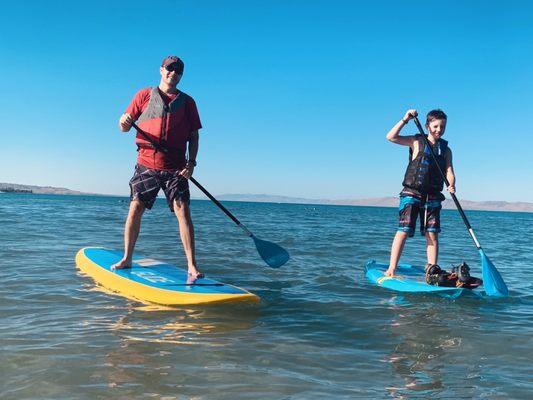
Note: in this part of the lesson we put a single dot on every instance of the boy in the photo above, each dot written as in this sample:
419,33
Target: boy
422,186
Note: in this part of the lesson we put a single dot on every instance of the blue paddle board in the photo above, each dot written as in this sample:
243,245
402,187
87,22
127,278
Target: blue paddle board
408,279
154,281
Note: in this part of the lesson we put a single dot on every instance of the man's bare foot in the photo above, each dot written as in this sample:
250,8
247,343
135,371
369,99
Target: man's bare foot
194,271
389,272
122,264
193,274
191,278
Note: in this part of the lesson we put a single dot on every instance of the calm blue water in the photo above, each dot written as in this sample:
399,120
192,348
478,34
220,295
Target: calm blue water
321,331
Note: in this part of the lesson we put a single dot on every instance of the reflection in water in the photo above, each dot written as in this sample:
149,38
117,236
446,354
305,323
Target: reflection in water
151,337
424,337
186,323
186,326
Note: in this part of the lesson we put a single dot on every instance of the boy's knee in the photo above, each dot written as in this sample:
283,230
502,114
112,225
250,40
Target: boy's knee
402,235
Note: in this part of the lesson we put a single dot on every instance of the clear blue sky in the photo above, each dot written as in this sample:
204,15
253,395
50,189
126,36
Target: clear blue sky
295,96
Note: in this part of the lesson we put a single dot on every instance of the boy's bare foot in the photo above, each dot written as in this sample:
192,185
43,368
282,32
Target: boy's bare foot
122,264
389,272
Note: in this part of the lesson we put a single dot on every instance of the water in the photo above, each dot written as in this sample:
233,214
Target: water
320,331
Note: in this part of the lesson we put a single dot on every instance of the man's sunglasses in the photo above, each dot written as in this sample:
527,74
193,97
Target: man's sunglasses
174,67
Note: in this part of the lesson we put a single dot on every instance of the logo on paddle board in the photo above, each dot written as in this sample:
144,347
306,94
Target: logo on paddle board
151,277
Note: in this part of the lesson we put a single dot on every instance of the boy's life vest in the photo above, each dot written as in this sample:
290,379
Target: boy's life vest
162,122
422,174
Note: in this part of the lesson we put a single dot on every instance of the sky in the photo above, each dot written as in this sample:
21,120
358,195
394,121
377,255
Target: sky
295,97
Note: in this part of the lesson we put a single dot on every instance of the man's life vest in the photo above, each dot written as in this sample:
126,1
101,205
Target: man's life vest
422,173
161,121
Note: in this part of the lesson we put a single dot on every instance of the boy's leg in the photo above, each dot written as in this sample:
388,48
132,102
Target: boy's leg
408,213
432,247
186,229
432,229
396,251
131,233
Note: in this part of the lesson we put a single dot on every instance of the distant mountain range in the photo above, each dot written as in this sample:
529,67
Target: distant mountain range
381,202
17,188
265,198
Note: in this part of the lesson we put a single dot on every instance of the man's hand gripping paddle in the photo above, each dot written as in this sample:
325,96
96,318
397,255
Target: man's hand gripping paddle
275,256
492,280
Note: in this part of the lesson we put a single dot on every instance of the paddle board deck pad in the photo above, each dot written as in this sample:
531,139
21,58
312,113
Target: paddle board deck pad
154,281
407,279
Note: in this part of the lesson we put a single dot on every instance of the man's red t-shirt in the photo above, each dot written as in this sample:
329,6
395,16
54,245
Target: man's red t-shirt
180,125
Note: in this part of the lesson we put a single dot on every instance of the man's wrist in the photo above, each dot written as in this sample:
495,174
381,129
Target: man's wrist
191,162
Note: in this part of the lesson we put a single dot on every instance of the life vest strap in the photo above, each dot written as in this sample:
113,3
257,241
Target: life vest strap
146,146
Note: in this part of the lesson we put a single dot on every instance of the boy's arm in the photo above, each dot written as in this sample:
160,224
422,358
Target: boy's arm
394,134
450,174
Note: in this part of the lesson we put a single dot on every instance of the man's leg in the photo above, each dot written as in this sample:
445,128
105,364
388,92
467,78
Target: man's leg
432,247
186,228
131,233
396,251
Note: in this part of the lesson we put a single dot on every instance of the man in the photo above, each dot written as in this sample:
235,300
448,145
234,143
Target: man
170,118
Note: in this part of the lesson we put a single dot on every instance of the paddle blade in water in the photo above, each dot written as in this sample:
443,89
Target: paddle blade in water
275,256
492,280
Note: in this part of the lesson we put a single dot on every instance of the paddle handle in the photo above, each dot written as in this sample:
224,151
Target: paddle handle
163,149
454,197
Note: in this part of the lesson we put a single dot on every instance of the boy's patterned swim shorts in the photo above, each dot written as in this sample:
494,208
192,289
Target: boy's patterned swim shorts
411,207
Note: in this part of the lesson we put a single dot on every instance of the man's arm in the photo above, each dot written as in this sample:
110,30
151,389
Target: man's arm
394,134
194,142
125,121
134,109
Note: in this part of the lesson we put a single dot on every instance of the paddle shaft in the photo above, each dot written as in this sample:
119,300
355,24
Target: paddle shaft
454,197
163,149
219,205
